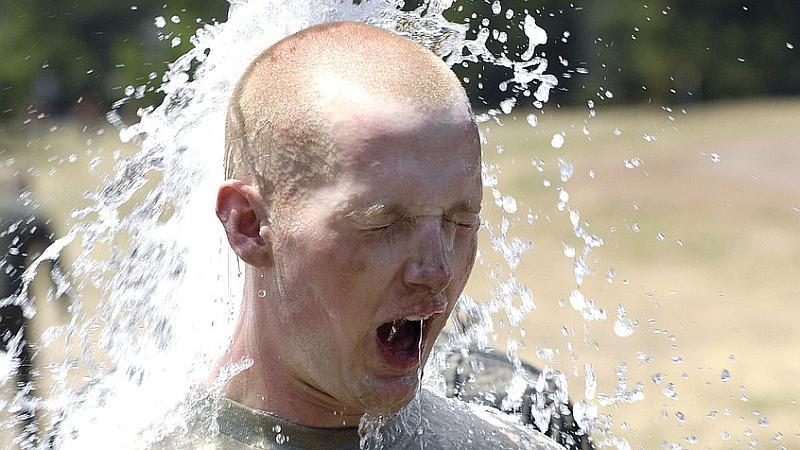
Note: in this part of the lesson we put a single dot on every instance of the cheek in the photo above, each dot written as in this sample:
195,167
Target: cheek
339,273
464,253
356,260
373,258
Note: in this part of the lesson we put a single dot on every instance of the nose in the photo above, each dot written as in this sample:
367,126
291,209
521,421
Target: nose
429,266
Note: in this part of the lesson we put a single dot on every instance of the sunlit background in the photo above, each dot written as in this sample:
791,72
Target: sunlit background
673,137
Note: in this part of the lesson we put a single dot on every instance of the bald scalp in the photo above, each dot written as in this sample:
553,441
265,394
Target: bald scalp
277,135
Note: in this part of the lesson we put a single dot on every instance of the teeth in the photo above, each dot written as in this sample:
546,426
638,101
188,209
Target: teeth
417,318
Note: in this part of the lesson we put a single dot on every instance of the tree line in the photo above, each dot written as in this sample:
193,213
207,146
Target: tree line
80,56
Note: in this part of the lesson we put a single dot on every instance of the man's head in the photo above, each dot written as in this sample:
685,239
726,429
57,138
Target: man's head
353,196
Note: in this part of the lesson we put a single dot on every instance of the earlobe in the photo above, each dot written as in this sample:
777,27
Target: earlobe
242,210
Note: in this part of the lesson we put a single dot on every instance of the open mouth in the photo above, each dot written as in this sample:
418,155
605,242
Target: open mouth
399,341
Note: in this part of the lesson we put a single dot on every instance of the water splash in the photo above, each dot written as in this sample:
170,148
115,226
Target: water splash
157,331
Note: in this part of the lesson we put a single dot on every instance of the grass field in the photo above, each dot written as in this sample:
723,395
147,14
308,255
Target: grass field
702,234
699,215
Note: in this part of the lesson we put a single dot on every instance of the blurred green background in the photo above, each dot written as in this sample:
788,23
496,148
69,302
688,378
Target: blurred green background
79,56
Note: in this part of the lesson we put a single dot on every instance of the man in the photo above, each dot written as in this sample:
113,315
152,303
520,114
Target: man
353,196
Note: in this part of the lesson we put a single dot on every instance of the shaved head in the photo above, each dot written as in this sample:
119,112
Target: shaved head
282,115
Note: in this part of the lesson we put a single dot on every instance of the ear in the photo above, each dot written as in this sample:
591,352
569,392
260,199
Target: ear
241,209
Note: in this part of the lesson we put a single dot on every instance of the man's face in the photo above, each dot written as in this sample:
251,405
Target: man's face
369,266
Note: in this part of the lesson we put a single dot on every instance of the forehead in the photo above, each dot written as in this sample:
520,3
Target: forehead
393,153
369,132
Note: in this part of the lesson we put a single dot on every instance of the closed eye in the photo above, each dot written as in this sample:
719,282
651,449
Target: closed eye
386,225
379,227
465,220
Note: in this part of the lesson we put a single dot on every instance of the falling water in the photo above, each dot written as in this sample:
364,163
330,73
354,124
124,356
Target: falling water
170,288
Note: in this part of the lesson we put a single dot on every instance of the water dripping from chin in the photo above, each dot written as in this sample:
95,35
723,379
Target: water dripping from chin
403,429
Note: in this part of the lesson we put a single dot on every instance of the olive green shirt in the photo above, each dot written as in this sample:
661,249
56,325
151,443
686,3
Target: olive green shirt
429,422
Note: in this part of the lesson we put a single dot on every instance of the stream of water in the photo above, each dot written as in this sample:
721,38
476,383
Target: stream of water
169,285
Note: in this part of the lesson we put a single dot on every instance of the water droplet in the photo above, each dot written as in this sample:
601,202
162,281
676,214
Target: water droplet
677,359
507,105
160,22
566,169
175,19
532,120
496,7
129,90
714,157
94,163
591,382
763,421
557,141
611,274
790,46
176,41
617,132
725,376
680,416
262,293
546,354
623,327
609,94
669,392
632,163
577,300
569,251
656,378
725,435
509,204
660,237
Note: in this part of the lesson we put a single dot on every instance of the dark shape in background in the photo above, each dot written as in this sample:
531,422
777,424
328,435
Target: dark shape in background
23,234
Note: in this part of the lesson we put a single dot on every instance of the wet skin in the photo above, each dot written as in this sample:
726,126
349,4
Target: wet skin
392,235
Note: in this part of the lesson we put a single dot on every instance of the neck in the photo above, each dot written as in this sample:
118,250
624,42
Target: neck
268,384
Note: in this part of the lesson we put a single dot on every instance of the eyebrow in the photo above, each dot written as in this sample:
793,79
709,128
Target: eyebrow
376,209
381,208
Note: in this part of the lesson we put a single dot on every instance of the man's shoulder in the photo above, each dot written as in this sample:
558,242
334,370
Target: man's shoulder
455,424
198,440
435,423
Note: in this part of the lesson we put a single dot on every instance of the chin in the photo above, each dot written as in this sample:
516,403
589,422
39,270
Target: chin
387,396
